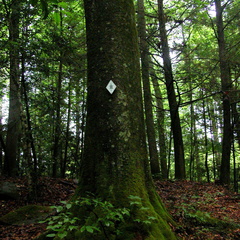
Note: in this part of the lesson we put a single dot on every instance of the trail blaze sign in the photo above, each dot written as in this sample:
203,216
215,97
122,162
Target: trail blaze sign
111,87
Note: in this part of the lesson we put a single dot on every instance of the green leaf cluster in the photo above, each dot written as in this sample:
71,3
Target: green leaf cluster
107,217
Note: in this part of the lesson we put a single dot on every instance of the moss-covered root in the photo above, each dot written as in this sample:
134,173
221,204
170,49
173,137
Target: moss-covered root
27,214
103,221
159,228
143,220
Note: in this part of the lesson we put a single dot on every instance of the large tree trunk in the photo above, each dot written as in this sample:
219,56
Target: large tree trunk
180,171
151,136
226,86
10,164
115,164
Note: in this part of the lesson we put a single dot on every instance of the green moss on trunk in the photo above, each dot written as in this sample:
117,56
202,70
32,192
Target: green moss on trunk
115,162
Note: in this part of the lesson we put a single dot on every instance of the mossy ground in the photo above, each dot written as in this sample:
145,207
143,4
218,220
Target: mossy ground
208,198
25,215
206,220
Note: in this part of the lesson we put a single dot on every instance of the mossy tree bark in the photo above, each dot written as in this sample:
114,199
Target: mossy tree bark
115,163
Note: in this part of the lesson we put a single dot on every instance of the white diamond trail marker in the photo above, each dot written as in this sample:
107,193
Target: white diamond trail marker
111,87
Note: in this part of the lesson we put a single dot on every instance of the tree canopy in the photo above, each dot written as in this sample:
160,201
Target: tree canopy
43,47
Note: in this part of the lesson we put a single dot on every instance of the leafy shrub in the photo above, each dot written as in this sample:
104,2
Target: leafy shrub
107,217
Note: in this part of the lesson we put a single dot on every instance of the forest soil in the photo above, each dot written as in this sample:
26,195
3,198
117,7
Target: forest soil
202,210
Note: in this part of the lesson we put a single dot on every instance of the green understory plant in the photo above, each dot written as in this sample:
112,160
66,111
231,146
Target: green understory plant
107,218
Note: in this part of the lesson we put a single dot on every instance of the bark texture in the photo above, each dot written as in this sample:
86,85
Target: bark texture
115,163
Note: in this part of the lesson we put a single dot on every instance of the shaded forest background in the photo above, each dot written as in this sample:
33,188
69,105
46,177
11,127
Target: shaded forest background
190,68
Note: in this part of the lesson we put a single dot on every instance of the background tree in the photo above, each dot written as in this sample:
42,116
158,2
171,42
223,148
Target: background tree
226,84
162,141
12,11
180,171
145,62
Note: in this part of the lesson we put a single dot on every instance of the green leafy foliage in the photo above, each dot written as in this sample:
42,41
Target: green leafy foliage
60,224
107,217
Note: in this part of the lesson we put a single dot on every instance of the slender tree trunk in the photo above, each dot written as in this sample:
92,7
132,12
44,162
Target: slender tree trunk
236,121
154,160
30,151
169,154
83,120
57,149
79,118
3,148
205,140
64,164
214,139
180,172
194,154
13,131
57,129
30,138
226,86
235,177
198,174
214,165
80,121
215,132
162,140
188,81
192,134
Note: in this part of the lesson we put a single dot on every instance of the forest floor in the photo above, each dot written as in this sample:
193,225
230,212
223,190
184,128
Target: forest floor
202,210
